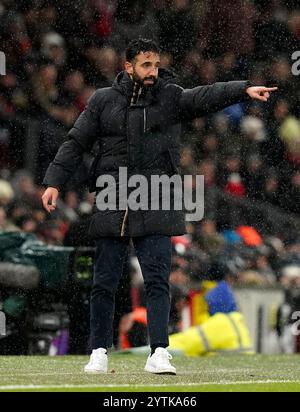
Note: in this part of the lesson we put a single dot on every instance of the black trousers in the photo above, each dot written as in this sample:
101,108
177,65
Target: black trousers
154,255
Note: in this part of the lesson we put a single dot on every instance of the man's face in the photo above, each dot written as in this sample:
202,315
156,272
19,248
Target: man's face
144,68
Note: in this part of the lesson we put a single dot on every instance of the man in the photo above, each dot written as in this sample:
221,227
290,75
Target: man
136,123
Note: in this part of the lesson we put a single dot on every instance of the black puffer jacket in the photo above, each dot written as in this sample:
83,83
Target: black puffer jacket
144,137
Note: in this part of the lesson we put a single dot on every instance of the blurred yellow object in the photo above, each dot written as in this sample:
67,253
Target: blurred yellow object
219,333
198,307
289,133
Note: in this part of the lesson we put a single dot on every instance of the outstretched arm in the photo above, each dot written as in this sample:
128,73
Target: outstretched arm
202,100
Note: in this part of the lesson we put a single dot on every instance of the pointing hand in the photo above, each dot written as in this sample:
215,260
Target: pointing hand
260,92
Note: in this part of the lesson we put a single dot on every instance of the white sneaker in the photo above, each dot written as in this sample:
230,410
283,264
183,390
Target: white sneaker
159,363
98,362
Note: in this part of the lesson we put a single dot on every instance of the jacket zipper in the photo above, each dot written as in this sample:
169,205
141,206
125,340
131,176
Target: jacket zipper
128,151
124,222
128,156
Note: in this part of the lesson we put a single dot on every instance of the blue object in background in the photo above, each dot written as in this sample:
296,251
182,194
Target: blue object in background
221,299
231,236
235,113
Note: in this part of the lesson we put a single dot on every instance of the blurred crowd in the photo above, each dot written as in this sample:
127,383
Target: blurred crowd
59,53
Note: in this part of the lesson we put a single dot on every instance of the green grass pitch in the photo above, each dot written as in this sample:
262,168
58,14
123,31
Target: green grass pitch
268,373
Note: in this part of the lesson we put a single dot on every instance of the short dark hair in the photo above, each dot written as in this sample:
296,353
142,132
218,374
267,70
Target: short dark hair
140,45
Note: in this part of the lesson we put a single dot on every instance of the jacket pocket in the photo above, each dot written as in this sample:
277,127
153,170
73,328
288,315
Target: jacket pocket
92,176
171,162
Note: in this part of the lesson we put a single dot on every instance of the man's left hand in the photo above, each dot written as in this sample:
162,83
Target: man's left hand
260,92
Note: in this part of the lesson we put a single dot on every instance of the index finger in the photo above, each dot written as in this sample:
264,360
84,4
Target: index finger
270,89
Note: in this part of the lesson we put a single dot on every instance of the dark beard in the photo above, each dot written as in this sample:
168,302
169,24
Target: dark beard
140,81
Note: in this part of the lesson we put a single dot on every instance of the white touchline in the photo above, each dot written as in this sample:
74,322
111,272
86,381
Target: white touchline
127,385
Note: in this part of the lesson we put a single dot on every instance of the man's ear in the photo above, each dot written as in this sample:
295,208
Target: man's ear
129,67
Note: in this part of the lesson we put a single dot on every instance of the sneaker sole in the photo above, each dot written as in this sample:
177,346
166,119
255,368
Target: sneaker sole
95,372
163,372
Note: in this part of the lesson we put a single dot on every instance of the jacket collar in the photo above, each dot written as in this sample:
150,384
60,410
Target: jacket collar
126,86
